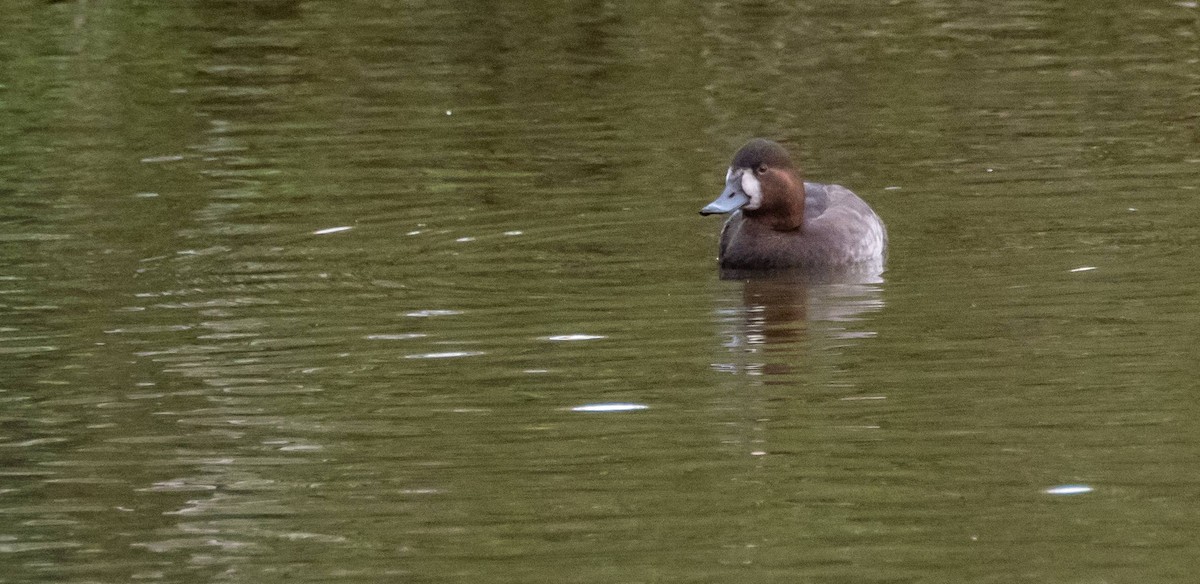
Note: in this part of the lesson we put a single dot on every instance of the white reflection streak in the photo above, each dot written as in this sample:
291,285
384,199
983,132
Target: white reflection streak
610,407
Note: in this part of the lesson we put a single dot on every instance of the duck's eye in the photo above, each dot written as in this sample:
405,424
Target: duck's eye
760,169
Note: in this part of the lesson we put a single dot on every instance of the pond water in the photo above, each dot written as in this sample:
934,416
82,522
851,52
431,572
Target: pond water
366,291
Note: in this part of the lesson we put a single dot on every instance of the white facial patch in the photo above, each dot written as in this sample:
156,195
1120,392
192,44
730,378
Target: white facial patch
752,188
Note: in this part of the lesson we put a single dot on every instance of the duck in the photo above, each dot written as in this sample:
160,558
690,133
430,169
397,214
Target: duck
779,221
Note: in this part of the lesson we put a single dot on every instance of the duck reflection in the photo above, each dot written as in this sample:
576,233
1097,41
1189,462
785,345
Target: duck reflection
781,315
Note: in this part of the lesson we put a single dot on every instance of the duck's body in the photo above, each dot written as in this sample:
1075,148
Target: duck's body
838,228
780,222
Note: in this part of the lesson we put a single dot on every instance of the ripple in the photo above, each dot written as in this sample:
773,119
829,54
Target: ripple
610,407
574,337
164,158
1069,490
432,313
13,548
445,355
179,485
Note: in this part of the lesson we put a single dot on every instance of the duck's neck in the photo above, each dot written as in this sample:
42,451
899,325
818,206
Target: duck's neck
785,210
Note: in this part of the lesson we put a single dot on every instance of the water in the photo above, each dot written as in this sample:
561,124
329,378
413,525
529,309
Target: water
351,292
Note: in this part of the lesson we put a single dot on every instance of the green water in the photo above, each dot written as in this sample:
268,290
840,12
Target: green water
309,291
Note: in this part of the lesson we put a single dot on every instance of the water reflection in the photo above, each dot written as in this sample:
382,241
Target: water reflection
783,315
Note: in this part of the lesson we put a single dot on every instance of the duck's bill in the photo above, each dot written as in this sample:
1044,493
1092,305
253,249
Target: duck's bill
731,199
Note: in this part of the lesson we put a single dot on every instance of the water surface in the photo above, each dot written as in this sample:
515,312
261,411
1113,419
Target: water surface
315,291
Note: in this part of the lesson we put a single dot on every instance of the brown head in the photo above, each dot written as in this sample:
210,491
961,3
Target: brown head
764,184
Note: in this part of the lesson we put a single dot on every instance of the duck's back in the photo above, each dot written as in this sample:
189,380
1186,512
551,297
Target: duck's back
839,229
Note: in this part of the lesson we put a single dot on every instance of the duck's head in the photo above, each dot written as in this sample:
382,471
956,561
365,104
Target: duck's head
760,179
